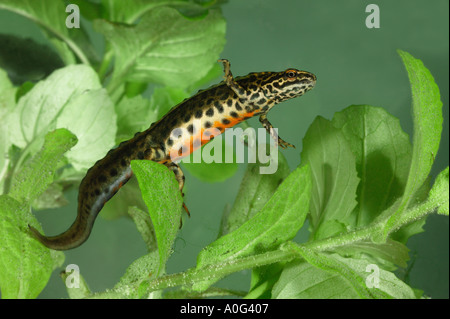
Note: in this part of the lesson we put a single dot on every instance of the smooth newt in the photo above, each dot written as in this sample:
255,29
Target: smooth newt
219,107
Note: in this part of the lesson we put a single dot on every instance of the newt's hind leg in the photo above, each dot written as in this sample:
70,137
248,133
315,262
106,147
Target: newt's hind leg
180,179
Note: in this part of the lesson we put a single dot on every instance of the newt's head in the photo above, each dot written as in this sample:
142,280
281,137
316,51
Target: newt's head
281,86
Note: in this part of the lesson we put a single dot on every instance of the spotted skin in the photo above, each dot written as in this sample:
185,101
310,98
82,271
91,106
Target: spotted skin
181,131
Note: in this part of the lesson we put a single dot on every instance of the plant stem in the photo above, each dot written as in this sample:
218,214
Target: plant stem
212,272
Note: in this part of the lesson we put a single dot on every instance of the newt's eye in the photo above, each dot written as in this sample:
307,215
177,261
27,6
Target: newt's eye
291,74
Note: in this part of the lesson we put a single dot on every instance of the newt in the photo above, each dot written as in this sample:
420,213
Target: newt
219,107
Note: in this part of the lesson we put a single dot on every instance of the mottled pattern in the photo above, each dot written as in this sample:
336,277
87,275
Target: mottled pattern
185,127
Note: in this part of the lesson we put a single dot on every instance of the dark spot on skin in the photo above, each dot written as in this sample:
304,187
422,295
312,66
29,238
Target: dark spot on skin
234,114
210,112
201,103
254,96
208,124
140,155
198,114
170,142
97,192
123,162
230,102
187,118
225,121
218,106
210,101
238,106
157,154
190,129
113,172
102,178
147,153
262,101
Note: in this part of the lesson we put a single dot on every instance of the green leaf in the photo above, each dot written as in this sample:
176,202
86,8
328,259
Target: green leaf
280,219
165,98
51,15
141,270
7,105
95,128
427,118
386,254
72,98
253,194
211,77
334,175
133,282
133,115
145,227
88,9
209,162
164,47
52,197
37,111
405,232
27,60
263,279
382,153
361,275
24,89
33,179
130,11
78,289
163,199
25,265
439,193
301,280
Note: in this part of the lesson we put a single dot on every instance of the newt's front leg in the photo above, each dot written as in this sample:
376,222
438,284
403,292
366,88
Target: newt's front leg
268,126
230,81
